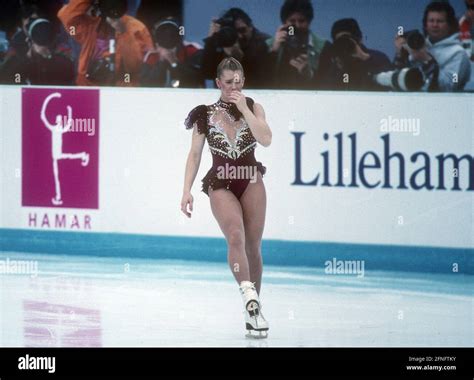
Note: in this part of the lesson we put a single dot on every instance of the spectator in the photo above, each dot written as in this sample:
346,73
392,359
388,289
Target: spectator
174,62
348,64
295,50
466,27
44,62
113,44
234,35
442,59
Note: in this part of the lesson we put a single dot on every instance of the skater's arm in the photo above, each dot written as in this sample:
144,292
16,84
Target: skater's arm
256,119
258,125
192,167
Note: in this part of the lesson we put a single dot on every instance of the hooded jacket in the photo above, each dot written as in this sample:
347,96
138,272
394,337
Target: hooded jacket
451,59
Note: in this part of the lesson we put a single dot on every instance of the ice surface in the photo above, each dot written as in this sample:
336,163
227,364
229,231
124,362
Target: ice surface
91,301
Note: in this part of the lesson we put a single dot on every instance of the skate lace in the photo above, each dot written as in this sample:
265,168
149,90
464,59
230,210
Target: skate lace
248,292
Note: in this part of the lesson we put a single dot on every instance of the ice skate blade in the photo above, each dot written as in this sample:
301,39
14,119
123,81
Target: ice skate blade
253,334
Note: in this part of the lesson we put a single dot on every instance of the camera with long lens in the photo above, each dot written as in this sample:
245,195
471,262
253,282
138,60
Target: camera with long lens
112,8
167,34
344,48
406,79
415,39
40,32
102,71
297,41
227,35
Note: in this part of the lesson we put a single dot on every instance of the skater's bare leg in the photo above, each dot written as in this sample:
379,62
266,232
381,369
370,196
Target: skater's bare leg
228,213
253,202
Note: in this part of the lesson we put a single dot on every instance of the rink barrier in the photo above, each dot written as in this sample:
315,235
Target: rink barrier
356,170
275,252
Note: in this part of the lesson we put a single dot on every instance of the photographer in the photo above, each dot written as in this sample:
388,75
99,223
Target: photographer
37,59
174,62
113,44
234,35
295,50
437,54
347,64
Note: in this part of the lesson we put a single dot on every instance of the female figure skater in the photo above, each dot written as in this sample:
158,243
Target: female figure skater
233,126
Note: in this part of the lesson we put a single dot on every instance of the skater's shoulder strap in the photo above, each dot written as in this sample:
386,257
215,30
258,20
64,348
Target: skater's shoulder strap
198,116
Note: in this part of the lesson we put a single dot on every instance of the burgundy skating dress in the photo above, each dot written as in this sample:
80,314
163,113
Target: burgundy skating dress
227,153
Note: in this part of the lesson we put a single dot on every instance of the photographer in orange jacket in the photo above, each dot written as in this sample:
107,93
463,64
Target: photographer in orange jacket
113,44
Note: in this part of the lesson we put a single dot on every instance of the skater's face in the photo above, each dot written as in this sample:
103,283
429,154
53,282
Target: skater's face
230,81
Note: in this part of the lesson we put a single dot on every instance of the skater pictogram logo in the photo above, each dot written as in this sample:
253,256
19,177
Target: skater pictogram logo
60,140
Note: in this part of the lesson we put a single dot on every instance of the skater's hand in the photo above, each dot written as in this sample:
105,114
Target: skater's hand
185,201
239,100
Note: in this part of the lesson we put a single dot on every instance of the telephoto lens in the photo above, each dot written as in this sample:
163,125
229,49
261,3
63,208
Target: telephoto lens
113,8
227,35
344,47
167,34
407,79
40,32
296,43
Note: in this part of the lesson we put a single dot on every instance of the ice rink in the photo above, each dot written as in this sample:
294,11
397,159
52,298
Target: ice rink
80,301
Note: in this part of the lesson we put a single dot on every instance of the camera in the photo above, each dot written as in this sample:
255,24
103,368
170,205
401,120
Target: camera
227,35
344,48
415,39
40,32
407,79
167,34
100,72
297,42
112,8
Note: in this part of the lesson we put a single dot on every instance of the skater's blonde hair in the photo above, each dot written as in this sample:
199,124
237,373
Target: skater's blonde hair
229,63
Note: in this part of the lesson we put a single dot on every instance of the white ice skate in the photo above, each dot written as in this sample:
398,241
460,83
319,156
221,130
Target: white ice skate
255,323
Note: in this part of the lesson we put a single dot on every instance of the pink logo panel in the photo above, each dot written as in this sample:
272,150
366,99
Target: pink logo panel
60,148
